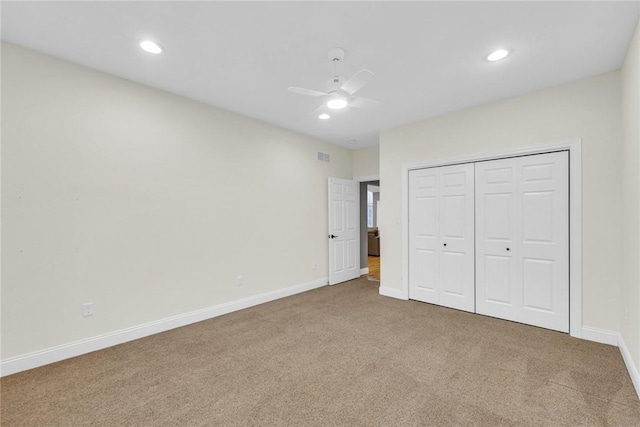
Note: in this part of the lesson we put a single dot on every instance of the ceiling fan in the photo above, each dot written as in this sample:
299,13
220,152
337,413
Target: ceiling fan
340,93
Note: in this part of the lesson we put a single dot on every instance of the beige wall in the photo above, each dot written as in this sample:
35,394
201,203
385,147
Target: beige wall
589,109
366,162
144,203
631,198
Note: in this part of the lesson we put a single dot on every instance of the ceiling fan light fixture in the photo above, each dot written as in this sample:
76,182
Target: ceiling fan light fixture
337,103
497,55
150,46
324,116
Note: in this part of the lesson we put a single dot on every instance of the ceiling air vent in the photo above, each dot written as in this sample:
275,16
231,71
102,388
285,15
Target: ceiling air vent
324,157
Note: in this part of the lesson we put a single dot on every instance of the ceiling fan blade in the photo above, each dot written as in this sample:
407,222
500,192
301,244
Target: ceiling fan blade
303,91
357,81
358,102
321,109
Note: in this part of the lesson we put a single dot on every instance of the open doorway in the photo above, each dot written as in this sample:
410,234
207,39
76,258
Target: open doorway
369,231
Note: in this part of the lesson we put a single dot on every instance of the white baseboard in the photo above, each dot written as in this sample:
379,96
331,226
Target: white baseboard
599,335
392,292
55,354
631,366
364,271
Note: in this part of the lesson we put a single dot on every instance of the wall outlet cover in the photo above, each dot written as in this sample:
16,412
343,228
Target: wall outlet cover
87,309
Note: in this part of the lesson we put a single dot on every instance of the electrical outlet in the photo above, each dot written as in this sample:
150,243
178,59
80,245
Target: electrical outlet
87,309
239,281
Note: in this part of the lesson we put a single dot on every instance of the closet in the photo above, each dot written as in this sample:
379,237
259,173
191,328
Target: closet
492,237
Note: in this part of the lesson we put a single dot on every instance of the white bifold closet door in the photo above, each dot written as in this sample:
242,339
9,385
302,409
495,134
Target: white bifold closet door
522,239
441,241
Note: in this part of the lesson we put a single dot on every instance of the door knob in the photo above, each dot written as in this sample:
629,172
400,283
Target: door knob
445,244
507,248
332,236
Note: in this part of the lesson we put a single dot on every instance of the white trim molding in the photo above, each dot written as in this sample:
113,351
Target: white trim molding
599,335
631,366
364,271
55,354
615,339
367,178
574,147
393,293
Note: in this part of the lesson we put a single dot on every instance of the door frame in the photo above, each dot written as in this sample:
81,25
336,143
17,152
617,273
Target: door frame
574,147
361,179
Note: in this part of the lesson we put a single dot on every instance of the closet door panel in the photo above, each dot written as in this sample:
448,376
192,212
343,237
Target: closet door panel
544,245
441,236
498,279
456,235
496,268
423,236
522,240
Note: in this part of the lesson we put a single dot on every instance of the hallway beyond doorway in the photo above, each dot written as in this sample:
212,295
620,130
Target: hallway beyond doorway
374,268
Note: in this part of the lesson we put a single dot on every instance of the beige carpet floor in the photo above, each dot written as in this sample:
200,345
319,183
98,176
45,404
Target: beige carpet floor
338,355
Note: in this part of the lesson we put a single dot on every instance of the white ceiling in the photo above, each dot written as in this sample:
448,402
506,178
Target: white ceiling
428,57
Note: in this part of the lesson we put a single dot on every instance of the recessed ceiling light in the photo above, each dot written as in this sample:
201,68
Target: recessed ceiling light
337,103
324,116
497,55
150,46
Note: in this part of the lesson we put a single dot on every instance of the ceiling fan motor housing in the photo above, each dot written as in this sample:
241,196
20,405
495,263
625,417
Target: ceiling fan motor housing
334,83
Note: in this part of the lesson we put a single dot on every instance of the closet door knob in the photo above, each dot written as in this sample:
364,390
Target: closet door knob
507,248
445,244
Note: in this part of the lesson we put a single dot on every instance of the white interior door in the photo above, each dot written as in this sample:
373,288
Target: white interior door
496,212
441,236
344,230
522,241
